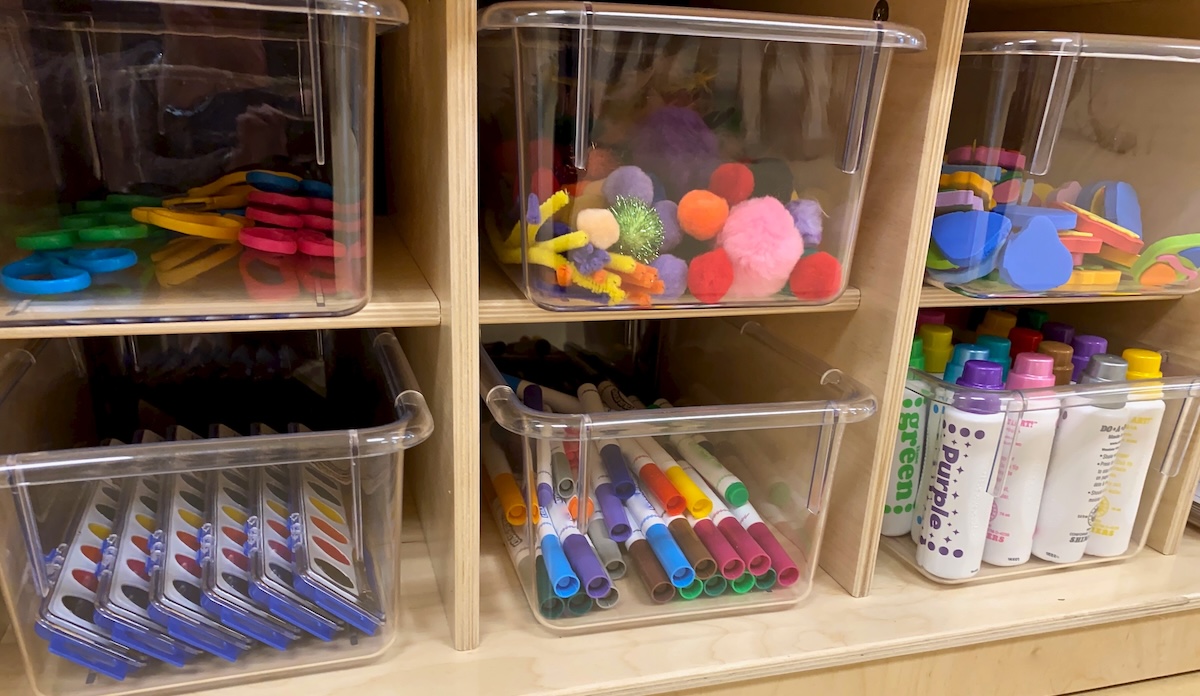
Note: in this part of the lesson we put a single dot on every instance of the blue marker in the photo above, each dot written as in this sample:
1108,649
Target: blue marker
562,579
668,553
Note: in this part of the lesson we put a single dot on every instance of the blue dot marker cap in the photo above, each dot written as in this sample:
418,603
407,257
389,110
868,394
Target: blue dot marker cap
979,374
963,353
998,350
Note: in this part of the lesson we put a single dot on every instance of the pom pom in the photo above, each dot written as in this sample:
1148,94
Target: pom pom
710,275
773,177
600,163
763,246
600,225
631,182
817,277
732,181
641,228
588,259
668,212
702,213
675,142
660,191
673,272
593,188
571,212
809,220
543,184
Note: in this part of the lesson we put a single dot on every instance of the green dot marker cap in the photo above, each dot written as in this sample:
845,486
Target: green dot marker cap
937,339
1032,318
693,590
916,356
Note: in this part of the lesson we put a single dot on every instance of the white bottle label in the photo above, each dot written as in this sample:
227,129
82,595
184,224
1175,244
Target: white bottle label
933,433
1014,514
958,505
1115,515
1085,448
900,504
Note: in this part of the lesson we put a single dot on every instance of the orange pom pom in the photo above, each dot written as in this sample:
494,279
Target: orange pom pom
816,277
732,181
702,214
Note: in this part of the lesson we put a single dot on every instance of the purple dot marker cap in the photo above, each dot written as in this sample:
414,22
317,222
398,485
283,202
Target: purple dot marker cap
980,374
1058,331
1085,347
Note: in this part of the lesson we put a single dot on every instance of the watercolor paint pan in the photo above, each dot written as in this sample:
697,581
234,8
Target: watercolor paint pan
123,593
175,572
329,569
67,618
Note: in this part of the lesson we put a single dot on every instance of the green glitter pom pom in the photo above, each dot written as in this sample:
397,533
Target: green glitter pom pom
641,229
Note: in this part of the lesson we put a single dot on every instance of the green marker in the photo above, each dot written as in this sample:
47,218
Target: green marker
715,586
743,584
693,590
767,580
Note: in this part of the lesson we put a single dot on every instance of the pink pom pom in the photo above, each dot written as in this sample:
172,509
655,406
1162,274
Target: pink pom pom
760,238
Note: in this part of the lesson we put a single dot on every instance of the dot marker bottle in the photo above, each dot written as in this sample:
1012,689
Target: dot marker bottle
1083,347
900,503
1024,340
1058,331
996,323
998,351
935,342
1063,367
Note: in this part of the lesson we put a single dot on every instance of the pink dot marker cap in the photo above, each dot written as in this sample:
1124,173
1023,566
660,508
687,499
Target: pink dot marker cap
1031,370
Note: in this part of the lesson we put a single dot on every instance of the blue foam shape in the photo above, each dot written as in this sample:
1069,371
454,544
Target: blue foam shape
1034,259
962,276
1192,255
968,236
1087,193
1022,214
990,172
1122,207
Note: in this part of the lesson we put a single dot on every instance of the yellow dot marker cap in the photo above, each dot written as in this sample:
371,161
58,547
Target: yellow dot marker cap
936,339
1143,364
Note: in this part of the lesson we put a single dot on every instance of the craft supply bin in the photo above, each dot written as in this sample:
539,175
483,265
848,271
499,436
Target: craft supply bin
63,399
168,162
1063,176
634,156
774,417
1005,425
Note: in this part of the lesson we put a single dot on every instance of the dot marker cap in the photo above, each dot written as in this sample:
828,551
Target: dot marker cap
1024,340
1061,353
936,340
998,350
963,353
1104,368
1143,364
979,374
929,315
997,323
1058,331
1085,346
916,356
1032,319
1031,370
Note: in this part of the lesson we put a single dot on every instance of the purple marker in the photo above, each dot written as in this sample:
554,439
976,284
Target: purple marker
1058,331
541,451
1085,346
615,518
579,552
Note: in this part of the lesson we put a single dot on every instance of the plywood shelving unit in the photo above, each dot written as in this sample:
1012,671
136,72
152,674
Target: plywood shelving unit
871,625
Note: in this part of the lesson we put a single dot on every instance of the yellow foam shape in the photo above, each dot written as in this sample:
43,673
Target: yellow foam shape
1115,255
1075,233
1042,191
969,181
1107,279
1097,205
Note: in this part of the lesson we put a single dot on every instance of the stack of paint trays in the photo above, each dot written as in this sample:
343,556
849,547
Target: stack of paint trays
180,552
710,500
1058,178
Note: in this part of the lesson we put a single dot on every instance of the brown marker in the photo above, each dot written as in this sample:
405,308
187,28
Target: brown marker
693,550
648,569
1063,367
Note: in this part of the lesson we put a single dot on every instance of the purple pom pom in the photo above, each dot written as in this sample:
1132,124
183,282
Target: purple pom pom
628,181
809,220
672,271
588,259
668,212
660,191
674,142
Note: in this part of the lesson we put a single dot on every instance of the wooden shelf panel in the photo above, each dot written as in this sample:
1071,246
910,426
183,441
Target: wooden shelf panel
401,297
502,302
938,297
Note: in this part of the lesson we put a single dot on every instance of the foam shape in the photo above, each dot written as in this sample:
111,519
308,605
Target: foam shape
990,173
1041,194
965,238
937,262
968,181
816,278
1067,193
1080,242
1169,252
962,276
961,155
1007,191
1122,207
1117,257
702,214
1076,258
732,181
1092,280
1022,214
763,247
1090,195
601,226
1192,255
956,201
1161,273
1026,196
709,276
1034,259
970,154
629,181
1108,232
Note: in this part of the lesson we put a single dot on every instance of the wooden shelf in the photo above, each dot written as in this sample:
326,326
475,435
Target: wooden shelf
938,297
502,302
905,615
401,297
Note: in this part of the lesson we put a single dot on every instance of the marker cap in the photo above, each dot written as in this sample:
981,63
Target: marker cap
1032,319
936,340
1143,364
653,577
1061,352
615,518
998,349
1085,346
614,465
767,580
916,356
1031,370
929,315
782,565
979,374
1024,340
963,353
1058,331
997,323
1104,368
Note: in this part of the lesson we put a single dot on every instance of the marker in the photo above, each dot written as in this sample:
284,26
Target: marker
560,470
693,550
606,548
579,552
753,556
579,604
781,563
936,341
1024,340
996,323
998,351
541,448
1062,353
500,477
743,584
693,590
562,578
609,600
556,400
699,453
715,586
648,569
668,553
766,581
1083,347
1058,331
611,508
550,605
653,477
695,500
611,457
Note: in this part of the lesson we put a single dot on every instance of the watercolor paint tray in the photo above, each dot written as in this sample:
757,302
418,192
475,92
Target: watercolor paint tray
172,560
778,445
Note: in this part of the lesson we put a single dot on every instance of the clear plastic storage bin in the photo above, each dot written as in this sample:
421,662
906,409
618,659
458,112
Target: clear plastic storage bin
1066,170
636,156
1016,482
663,542
187,512
173,160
